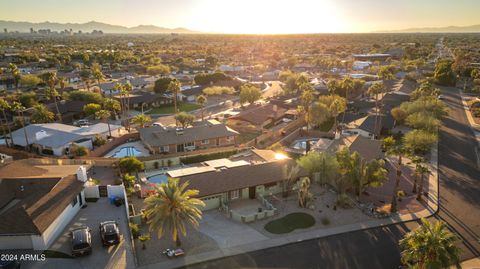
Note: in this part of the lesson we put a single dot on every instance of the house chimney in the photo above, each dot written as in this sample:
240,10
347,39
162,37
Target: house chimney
179,131
82,174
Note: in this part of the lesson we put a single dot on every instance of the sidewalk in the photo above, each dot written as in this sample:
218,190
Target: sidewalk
473,125
432,207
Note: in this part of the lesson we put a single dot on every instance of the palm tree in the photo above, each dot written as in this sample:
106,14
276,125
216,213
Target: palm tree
41,114
5,106
52,93
97,73
290,175
417,161
430,246
174,88
422,170
172,209
104,115
112,105
17,107
307,100
374,90
15,74
125,93
141,120
85,75
397,149
202,100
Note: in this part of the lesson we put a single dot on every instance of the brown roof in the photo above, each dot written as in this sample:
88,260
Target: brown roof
235,178
259,114
368,149
31,201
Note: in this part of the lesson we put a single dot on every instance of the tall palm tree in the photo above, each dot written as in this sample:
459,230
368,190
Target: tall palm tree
5,106
396,149
422,170
97,73
430,246
52,93
125,92
172,209
374,90
41,114
12,68
141,120
112,105
17,107
307,100
174,88
417,160
104,115
202,100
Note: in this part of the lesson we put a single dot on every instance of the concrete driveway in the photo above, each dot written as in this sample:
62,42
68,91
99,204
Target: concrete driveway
119,256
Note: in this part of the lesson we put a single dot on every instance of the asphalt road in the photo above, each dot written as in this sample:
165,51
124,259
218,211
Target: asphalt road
459,190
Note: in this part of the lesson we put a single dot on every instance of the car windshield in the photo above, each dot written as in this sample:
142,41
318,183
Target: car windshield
81,246
112,236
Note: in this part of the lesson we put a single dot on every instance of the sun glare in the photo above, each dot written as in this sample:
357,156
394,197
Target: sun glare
267,17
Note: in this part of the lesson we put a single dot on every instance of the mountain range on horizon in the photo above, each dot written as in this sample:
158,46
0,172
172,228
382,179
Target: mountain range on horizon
448,29
24,27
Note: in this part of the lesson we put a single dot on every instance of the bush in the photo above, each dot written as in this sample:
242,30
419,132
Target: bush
207,157
99,141
134,229
325,221
343,201
130,165
78,151
130,191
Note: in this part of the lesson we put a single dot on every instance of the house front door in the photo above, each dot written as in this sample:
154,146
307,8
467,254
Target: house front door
251,192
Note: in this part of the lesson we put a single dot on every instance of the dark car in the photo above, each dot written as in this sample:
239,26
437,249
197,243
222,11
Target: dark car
81,241
9,264
109,233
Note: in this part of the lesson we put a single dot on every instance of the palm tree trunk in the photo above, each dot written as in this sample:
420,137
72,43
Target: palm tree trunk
420,188
393,208
58,110
27,146
109,130
8,128
175,102
414,189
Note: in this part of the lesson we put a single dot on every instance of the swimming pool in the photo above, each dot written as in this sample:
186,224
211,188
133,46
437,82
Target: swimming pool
126,151
301,144
158,179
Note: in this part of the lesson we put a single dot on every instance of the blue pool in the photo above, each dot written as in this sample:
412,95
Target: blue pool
158,179
301,144
126,151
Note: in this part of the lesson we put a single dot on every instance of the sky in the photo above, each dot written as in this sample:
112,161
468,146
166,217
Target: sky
252,16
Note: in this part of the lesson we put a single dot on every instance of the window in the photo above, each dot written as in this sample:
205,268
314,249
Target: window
229,138
235,194
75,201
189,144
164,149
205,142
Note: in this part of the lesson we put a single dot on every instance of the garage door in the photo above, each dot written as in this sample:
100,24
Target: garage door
211,202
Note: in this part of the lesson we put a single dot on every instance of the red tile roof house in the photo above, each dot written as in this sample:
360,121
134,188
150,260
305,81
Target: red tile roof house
202,135
37,202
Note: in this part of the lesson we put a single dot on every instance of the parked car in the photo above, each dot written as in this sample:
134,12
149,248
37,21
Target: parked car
10,264
81,123
81,241
109,233
173,253
440,97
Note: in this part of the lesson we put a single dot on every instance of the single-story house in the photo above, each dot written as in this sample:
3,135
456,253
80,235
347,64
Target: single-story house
56,138
37,202
369,149
364,126
70,110
191,94
259,115
147,99
202,135
220,184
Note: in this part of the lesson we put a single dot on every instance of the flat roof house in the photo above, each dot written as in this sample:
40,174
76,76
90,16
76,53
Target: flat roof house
37,202
56,138
202,135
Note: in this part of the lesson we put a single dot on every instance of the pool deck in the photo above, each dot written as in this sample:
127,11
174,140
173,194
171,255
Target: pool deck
137,145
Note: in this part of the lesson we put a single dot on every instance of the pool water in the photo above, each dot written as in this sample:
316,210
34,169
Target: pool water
126,151
302,144
158,179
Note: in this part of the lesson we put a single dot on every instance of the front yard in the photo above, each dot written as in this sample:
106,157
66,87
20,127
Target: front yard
169,109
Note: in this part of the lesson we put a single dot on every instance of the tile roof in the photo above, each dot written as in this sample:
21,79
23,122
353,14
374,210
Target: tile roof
159,136
223,180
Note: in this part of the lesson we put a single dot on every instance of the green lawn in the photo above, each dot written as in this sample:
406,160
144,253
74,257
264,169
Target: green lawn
290,223
169,109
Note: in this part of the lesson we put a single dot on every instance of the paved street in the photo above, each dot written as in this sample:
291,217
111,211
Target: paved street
378,247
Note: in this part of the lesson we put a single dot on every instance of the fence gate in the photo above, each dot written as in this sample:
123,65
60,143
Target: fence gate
103,191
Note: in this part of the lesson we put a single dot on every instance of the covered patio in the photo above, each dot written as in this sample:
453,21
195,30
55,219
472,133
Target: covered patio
250,210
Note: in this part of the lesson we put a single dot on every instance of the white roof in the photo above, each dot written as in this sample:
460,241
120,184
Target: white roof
190,171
